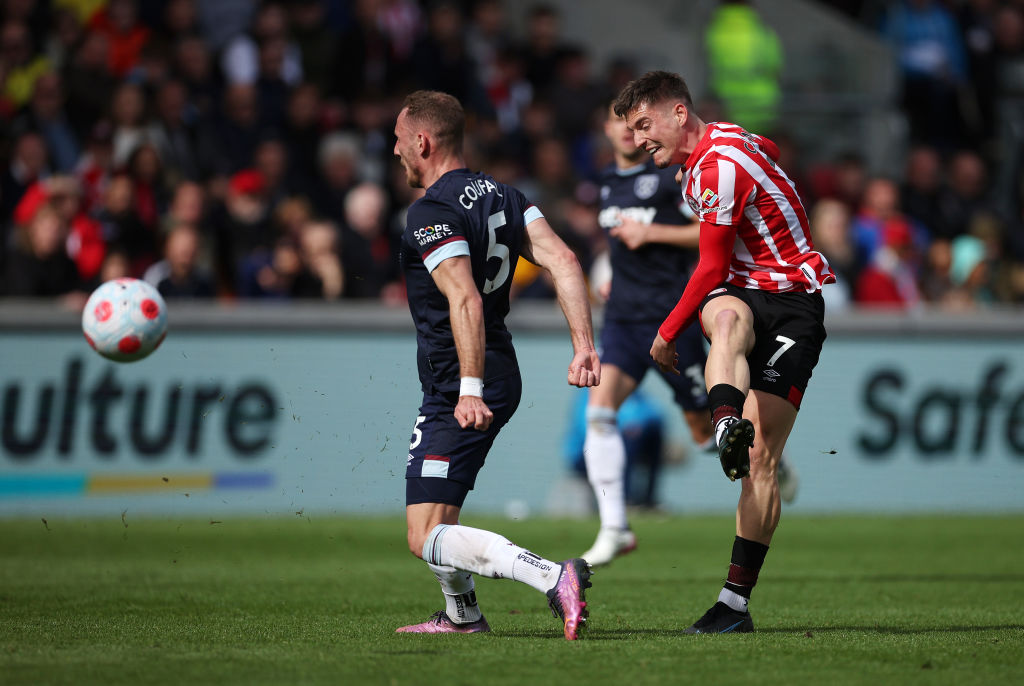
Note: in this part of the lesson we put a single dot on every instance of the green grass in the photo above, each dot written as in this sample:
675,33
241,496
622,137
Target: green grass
841,600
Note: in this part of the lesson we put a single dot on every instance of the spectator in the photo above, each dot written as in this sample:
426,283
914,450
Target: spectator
123,231
370,267
94,167
126,35
575,98
149,185
966,195
39,265
365,58
315,42
340,162
486,38
278,274
543,46
271,161
28,164
922,191
243,229
830,229
933,67
174,132
85,244
319,245
180,274
23,66
442,62
90,85
128,115
889,280
66,34
192,64
238,130
45,114
880,222
302,135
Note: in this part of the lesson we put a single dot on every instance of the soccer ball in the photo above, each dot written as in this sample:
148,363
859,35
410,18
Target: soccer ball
125,320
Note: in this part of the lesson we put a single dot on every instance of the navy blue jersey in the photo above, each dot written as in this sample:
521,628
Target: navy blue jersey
646,282
463,213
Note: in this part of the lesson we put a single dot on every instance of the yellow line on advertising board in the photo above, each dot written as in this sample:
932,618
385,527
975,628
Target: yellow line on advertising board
124,483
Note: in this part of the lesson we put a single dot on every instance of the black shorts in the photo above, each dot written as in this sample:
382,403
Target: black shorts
789,331
627,345
444,458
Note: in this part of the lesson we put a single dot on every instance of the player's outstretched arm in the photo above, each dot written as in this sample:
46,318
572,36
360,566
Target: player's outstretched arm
454,278
545,249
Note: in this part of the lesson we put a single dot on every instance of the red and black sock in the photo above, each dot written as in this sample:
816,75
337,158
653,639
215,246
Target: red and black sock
747,558
726,405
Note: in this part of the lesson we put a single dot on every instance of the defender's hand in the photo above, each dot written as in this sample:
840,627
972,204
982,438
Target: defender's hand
664,354
631,232
473,412
585,369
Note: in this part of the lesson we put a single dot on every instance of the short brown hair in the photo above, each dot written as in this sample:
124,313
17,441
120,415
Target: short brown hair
441,112
652,88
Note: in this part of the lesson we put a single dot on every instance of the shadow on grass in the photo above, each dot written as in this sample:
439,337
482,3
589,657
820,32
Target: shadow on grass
893,630
902,578
626,634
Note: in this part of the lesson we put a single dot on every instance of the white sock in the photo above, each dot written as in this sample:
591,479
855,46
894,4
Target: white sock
605,457
733,600
459,594
488,554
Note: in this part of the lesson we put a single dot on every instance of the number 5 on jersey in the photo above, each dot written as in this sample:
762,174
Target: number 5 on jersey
498,250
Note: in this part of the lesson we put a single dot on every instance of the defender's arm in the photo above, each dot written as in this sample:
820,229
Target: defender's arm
454,278
544,248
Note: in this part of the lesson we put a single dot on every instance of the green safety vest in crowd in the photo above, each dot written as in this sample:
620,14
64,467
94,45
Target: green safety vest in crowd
745,61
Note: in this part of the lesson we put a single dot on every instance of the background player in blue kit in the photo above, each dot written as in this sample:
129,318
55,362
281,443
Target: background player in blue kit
459,249
650,244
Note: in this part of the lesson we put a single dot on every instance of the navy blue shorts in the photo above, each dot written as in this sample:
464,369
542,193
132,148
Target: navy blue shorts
444,458
627,345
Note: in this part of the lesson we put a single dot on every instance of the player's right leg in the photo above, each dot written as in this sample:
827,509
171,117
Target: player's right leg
605,456
729,324
444,460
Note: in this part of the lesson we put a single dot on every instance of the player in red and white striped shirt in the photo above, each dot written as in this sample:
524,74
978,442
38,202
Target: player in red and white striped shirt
756,290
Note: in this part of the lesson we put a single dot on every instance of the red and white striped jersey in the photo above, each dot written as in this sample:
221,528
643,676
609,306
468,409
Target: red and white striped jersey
731,179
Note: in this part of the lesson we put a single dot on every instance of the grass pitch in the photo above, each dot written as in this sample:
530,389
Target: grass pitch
841,600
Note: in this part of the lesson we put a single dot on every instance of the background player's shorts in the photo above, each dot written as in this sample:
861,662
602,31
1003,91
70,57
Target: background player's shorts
444,458
789,331
627,345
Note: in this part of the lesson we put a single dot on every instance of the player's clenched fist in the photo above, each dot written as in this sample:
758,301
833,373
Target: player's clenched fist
473,412
664,354
585,369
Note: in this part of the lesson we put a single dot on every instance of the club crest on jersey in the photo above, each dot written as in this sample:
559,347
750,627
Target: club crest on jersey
429,234
646,185
694,206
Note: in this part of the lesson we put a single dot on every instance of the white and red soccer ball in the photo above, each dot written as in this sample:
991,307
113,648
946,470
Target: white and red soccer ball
125,320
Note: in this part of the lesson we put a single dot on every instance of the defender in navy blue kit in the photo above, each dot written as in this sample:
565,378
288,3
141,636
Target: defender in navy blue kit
459,249
651,236
462,214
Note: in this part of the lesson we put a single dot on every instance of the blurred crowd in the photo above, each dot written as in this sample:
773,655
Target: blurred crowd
243,149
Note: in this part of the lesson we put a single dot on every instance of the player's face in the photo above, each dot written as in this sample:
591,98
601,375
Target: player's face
658,129
407,150
621,137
